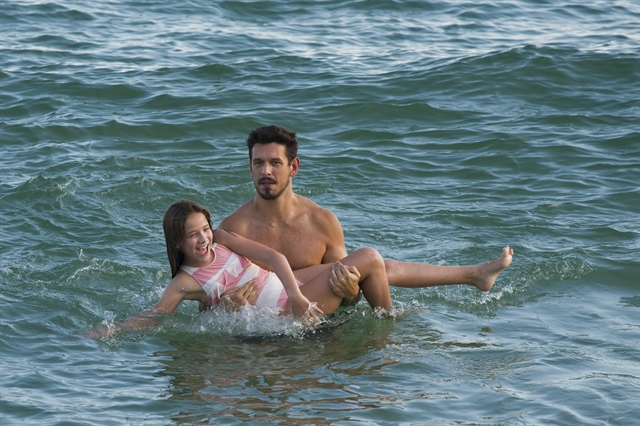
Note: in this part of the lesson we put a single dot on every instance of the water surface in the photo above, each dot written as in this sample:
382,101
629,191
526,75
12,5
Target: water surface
437,132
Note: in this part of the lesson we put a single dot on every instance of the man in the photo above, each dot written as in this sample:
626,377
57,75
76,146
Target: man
309,235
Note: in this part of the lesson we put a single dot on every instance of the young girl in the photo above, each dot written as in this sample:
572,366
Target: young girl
205,264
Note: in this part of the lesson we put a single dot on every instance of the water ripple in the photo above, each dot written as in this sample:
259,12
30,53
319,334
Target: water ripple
436,131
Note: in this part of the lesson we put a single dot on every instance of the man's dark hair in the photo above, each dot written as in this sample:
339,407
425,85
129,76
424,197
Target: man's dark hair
277,134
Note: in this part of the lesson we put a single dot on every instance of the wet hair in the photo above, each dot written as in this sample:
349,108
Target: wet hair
173,224
277,134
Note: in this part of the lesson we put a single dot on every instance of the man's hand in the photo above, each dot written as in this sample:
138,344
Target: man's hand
344,281
236,298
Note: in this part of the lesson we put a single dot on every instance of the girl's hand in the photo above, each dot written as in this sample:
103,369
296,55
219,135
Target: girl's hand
97,332
302,308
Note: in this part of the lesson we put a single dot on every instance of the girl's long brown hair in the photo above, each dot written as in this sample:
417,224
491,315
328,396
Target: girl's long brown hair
173,224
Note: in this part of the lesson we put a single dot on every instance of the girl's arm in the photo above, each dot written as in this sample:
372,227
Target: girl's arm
181,287
261,254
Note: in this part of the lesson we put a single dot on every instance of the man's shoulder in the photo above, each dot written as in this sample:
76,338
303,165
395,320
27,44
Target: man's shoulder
308,213
319,216
237,220
324,228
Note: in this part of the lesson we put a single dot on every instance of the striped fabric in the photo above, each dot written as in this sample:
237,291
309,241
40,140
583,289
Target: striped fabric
229,270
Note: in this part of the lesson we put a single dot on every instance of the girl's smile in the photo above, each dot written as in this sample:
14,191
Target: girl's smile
197,241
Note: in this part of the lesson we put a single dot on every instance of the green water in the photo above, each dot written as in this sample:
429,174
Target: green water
437,132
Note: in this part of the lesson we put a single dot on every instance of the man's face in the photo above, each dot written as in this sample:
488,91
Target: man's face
270,170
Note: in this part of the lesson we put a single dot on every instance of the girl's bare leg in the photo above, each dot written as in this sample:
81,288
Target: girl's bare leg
316,288
482,276
373,281
373,277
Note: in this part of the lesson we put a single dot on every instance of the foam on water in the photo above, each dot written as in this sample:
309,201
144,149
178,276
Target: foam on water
248,322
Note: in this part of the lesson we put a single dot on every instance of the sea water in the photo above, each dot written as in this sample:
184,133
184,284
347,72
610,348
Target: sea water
437,132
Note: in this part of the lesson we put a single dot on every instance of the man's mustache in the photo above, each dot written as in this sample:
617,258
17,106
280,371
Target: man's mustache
266,180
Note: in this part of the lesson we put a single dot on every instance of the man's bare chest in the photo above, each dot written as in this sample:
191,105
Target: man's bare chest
298,243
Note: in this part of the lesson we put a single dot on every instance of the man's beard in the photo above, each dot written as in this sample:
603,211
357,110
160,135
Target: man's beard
270,195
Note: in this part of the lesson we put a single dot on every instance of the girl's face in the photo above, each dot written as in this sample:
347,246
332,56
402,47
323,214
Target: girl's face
197,241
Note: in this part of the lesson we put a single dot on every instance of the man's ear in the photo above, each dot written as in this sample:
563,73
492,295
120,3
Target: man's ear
295,165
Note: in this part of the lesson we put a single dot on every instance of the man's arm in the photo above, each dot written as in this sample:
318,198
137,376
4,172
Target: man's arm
344,280
236,298
332,230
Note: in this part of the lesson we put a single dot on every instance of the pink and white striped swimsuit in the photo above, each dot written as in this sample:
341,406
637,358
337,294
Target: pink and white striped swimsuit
228,270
